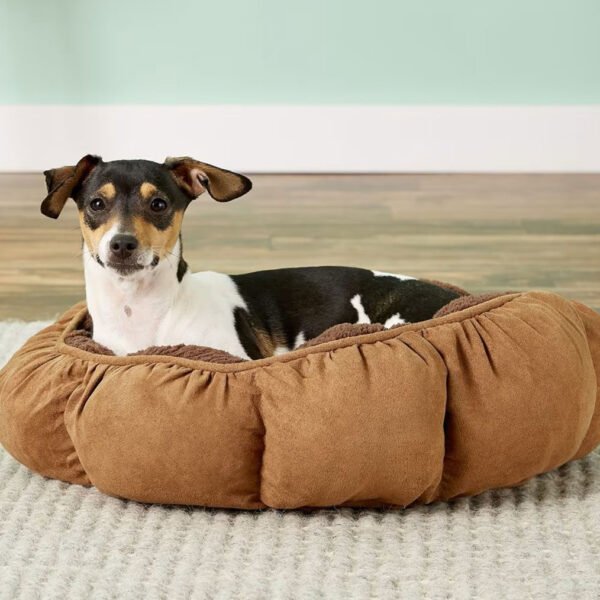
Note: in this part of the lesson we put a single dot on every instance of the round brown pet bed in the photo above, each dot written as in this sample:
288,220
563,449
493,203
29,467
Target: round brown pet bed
488,394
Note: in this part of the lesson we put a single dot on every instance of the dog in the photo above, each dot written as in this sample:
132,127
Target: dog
141,293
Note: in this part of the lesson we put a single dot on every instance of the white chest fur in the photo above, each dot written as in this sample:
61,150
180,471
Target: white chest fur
152,308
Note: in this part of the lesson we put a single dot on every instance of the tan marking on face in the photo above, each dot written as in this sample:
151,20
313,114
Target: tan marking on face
92,237
160,241
107,191
147,190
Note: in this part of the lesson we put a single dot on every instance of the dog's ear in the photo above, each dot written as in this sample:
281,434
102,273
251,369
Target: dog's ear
195,177
63,182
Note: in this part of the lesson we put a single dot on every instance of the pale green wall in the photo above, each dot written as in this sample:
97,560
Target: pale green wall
301,52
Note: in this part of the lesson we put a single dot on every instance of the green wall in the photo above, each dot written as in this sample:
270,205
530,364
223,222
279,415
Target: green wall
309,52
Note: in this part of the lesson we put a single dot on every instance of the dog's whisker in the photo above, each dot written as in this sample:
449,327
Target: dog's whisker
167,252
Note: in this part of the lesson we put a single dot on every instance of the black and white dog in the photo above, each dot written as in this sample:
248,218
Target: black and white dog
140,292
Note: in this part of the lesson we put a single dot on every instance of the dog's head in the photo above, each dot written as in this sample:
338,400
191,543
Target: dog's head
131,211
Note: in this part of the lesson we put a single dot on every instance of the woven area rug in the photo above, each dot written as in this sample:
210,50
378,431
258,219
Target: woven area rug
541,540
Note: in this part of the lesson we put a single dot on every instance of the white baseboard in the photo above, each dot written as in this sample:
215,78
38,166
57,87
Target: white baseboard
310,138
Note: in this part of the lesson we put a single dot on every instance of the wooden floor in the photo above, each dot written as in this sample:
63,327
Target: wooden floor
483,232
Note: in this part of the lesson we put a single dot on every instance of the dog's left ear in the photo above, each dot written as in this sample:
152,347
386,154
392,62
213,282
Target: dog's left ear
195,177
62,183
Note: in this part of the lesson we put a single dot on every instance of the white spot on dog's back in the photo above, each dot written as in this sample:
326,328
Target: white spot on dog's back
280,350
396,275
394,320
363,317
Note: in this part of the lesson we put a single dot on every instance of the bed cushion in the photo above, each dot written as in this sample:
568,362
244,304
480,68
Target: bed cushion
486,396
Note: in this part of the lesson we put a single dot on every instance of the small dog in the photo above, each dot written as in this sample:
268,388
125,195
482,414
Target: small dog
139,289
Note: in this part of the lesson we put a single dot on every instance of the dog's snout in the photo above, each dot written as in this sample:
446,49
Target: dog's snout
123,245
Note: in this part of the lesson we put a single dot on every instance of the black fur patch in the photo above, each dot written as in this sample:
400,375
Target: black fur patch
127,176
246,333
182,268
312,299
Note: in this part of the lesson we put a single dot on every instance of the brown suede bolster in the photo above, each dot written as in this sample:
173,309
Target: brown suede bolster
482,398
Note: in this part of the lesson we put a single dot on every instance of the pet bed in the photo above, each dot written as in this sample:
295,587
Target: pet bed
487,394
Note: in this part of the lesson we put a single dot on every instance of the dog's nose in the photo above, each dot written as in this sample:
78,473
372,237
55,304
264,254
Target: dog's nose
122,245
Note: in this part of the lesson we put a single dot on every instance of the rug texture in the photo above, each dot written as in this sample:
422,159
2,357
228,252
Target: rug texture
541,540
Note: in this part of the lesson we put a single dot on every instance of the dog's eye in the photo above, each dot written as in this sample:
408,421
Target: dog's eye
97,204
158,205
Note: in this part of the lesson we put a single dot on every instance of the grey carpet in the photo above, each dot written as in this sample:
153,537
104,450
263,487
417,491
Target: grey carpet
541,540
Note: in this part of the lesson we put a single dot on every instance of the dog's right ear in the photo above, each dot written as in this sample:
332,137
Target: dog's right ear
63,182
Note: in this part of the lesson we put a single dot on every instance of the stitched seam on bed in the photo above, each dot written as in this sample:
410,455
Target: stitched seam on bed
256,395
435,493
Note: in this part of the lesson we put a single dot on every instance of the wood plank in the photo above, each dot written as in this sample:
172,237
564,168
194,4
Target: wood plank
483,232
